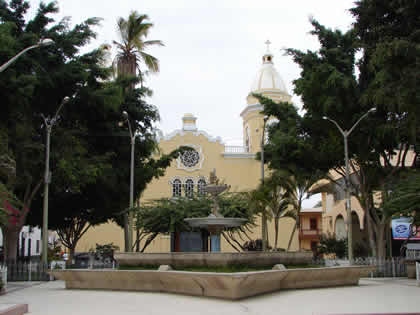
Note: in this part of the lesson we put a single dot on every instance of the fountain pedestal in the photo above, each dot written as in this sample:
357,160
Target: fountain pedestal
215,223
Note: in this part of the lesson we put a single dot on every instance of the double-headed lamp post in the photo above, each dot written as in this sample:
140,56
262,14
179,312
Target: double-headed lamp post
42,42
48,123
346,134
128,219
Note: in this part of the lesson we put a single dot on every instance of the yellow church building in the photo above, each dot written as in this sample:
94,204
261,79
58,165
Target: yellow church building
235,165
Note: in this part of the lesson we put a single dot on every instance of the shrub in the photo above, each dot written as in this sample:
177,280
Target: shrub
254,245
328,244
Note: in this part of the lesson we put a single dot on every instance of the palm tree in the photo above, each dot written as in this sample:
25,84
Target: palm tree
131,54
277,201
258,204
297,187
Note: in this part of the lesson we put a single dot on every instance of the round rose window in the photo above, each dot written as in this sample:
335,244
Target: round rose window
190,158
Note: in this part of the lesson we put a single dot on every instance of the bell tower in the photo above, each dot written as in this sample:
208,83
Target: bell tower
268,83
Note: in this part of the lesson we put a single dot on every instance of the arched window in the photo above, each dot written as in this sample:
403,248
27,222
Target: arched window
189,188
176,188
200,187
247,140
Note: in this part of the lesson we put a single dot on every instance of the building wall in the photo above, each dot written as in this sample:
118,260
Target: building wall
236,167
241,172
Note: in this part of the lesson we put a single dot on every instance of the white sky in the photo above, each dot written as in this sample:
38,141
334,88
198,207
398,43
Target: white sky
213,50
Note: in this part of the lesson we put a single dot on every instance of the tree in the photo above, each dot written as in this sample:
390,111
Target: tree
271,198
388,34
278,201
36,84
330,85
88,159
167,215
130,57
132,46
404,199
258,200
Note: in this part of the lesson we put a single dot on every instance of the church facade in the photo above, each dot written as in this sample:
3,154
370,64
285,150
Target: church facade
235,165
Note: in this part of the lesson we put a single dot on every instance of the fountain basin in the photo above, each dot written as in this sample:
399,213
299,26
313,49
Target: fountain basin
215,189
212,220
231,286
203,259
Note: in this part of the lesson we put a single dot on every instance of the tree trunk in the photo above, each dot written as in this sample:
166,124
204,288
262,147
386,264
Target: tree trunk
10,239
276,232
381,241
291,237
371,228
71,254
264,231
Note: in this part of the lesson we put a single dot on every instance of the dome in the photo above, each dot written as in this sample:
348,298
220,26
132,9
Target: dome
267,77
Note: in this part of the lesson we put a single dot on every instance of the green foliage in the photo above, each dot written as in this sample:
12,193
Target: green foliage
54,251
105,252
404,199
168,215
254,245
10,207
90,152
335,84
328,244
133,44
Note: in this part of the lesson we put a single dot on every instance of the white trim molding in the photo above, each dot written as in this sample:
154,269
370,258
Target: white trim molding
251,108
196,133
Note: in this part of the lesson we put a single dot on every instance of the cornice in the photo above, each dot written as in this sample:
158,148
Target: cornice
196,133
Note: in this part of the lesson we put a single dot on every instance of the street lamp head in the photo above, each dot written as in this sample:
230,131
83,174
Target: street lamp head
324,117
45,42
373,109
125,114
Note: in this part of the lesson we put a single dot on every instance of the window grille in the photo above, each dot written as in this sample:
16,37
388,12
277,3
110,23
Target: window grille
176,188
189,188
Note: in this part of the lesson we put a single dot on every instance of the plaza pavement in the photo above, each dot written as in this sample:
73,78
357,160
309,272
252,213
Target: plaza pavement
398,295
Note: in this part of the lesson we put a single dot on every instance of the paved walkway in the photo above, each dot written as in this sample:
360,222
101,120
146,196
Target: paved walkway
371,296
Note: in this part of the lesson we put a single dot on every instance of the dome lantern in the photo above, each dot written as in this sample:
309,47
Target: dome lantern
267,78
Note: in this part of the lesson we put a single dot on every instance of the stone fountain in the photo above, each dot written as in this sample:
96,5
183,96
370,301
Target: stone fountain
221,285
215,223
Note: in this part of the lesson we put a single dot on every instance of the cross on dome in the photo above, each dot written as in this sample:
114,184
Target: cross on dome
267,42
268,57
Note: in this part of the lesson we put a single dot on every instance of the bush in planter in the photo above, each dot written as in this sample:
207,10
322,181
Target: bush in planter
328,244
254,245
105,253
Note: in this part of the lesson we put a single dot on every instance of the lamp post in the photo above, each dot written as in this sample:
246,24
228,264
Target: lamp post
49,123
263,216
346,134
42,42
128,219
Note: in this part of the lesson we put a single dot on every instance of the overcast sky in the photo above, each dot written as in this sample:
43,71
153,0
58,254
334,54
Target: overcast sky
213,50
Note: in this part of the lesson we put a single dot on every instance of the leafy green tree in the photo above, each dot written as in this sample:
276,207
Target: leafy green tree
404,199
167,215
335,84
37,83
89,160
133,44
388,32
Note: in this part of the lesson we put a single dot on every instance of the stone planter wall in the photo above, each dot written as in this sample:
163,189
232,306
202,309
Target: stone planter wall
230,286
253,259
